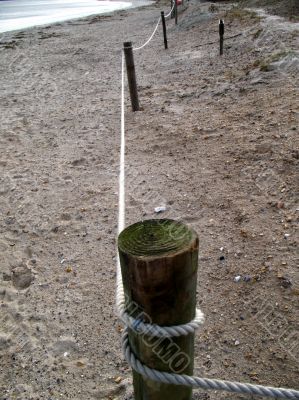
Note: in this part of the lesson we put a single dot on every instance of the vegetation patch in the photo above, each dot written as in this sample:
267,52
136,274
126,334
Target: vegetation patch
242,14
286,8
257,34
265,64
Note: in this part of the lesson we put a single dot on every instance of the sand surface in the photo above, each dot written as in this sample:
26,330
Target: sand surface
216,143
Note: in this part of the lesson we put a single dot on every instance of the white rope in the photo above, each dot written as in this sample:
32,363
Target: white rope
139,326
121,187
169,14
203,383
121,183
150,38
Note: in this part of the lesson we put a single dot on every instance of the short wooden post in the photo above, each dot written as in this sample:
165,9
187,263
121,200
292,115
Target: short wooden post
221,34
173,11
176,11
159,261
164,30
128,49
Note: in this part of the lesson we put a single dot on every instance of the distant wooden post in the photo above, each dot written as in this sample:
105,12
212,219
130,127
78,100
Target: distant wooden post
176,11
173,11
221,34
159,268
164,30
128,49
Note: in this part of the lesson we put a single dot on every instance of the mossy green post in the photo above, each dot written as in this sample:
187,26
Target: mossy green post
159,268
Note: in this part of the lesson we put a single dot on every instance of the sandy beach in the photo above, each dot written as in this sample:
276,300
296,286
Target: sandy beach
216,143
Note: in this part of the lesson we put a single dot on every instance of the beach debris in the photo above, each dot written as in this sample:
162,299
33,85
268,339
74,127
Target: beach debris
246,278
285,281
286,235
160,209
10,45
280,204
118,379
81,363
237,342
237,278
221,248
221,258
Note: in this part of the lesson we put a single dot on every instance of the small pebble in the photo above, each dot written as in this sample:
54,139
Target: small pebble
118,379
237,278
160,209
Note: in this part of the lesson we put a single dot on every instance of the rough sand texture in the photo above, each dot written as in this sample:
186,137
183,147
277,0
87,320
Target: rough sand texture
216,142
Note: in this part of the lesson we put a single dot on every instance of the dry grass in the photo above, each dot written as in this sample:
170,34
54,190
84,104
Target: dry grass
265,63
285,8
241,14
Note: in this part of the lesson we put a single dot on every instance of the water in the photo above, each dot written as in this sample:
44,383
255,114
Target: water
21,14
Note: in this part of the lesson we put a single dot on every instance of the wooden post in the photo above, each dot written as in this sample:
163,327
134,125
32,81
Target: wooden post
159,268
128,49
176,11
173,11
164,30
221,34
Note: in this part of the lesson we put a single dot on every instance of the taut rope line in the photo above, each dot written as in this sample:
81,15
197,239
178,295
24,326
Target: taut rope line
150,38
141,327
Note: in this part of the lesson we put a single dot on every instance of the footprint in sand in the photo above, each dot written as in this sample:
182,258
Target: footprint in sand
65,346
5,342
22,277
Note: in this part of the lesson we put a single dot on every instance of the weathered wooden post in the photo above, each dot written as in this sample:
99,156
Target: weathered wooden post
159,261
221,34
176,11
128,50
164,30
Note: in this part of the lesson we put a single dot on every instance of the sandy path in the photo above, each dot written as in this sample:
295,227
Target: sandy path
216,143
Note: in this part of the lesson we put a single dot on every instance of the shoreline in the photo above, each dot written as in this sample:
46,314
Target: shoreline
135,5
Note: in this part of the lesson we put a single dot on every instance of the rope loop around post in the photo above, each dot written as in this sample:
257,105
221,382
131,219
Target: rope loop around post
142,327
